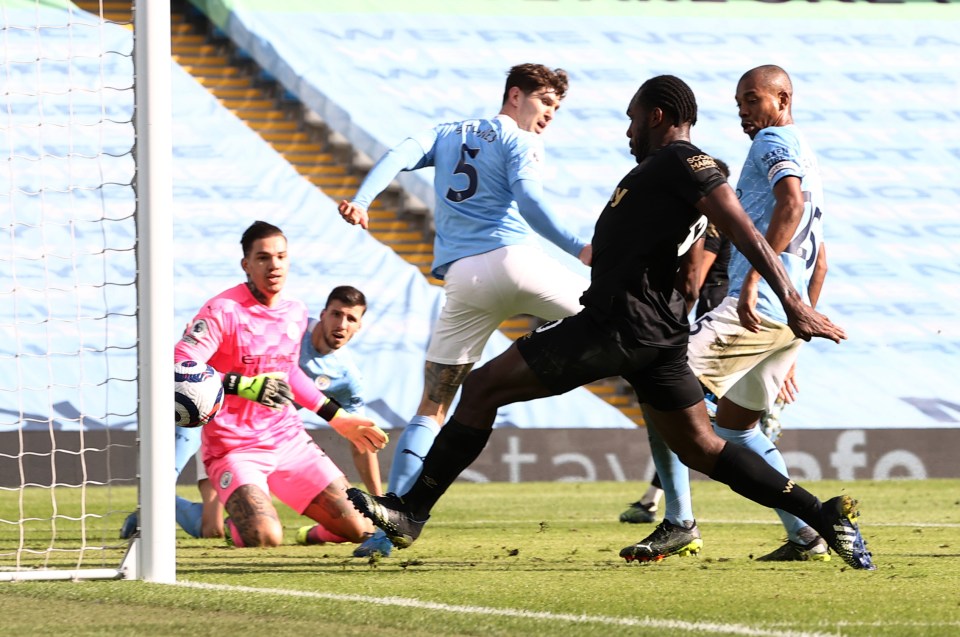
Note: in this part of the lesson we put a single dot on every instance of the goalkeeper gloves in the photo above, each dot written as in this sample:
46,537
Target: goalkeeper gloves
363,433
270,390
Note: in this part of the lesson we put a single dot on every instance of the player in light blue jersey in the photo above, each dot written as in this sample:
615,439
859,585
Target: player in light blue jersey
743,351
489,209
324,359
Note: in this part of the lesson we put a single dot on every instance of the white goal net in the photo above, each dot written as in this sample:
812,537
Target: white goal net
70,263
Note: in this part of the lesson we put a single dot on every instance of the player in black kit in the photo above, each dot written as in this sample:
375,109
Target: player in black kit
634,325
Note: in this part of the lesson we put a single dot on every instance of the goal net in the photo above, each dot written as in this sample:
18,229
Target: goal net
70,263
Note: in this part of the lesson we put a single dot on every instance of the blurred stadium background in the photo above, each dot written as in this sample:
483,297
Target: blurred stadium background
280,107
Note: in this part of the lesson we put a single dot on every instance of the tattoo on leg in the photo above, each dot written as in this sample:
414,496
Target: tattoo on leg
333,501
443,381
245,505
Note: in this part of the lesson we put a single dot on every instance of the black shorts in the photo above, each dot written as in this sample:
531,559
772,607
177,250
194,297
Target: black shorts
578,350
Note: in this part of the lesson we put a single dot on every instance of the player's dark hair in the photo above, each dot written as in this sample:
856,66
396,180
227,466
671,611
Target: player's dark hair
533,77
722,165
258,230
348,295
672,96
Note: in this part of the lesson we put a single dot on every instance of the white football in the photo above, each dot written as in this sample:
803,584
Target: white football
198,391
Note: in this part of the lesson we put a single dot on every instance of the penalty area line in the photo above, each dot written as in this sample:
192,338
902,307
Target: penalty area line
646,622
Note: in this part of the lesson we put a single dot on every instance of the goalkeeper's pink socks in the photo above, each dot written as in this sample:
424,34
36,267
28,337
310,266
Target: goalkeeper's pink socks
233,535
318,534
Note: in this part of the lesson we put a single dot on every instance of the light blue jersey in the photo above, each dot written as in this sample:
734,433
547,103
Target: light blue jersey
778,152
335,374
488,187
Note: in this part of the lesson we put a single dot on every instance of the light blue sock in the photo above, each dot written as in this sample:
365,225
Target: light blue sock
754,440
675,479
412,446
186,444
189,516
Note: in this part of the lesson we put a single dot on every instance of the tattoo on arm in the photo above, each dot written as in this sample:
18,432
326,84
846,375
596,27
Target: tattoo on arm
443,381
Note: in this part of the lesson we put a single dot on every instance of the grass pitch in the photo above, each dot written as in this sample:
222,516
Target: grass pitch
540,559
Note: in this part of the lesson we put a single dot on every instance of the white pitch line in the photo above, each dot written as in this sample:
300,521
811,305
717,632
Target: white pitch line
773,522
668,624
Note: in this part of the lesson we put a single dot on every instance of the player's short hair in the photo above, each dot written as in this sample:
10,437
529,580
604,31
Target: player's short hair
258,230
533,77
348,295
722,165
672,96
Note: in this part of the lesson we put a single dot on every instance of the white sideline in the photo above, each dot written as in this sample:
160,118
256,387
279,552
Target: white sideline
669,624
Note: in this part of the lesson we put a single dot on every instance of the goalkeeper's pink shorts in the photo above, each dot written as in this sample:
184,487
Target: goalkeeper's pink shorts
295,472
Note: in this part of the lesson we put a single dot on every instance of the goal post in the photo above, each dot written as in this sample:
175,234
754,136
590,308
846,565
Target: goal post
156,556
86,302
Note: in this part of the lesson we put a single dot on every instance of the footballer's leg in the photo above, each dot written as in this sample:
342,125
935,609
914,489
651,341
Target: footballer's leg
253,519
503,380
551,360
309,482
440,385
337,520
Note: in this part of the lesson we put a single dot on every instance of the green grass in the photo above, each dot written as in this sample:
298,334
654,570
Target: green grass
539,559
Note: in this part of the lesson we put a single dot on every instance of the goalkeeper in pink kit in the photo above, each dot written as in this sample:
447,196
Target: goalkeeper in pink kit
257,445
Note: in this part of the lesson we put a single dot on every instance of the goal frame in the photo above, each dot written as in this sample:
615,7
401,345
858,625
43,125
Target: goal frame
151,556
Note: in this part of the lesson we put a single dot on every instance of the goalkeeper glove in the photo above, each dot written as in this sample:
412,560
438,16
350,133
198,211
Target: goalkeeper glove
270,390
364,435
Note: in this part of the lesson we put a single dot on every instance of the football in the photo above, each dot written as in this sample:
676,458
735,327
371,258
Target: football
198,391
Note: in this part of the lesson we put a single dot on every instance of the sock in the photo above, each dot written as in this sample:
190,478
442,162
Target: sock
655,482
318,534
747,474
412,447
189,516
186,444
233,533
455,448
754,440
675,479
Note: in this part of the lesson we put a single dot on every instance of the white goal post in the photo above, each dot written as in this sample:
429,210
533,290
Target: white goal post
86,293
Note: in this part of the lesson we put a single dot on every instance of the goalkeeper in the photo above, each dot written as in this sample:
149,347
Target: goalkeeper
257,445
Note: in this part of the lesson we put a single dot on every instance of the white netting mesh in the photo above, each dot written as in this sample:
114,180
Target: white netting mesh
68,330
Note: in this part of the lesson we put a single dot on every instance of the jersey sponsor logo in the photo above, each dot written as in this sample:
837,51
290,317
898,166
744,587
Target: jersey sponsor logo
774,155
617,196
322,382
785,164
225,479
250,359
701,162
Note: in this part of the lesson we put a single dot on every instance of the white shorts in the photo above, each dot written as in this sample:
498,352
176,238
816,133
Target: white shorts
485,289
201,468
745,367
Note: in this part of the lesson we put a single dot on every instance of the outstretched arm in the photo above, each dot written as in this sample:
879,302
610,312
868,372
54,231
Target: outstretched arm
723,208
407,155
528,194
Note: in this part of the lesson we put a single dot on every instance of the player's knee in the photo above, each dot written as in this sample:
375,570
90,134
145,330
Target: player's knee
265,533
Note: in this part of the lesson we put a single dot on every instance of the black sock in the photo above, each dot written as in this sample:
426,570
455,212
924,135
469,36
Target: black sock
749,475
656,481
455,449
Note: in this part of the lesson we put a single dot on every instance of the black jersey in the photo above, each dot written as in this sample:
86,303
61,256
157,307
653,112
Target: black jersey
649,222
717,281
